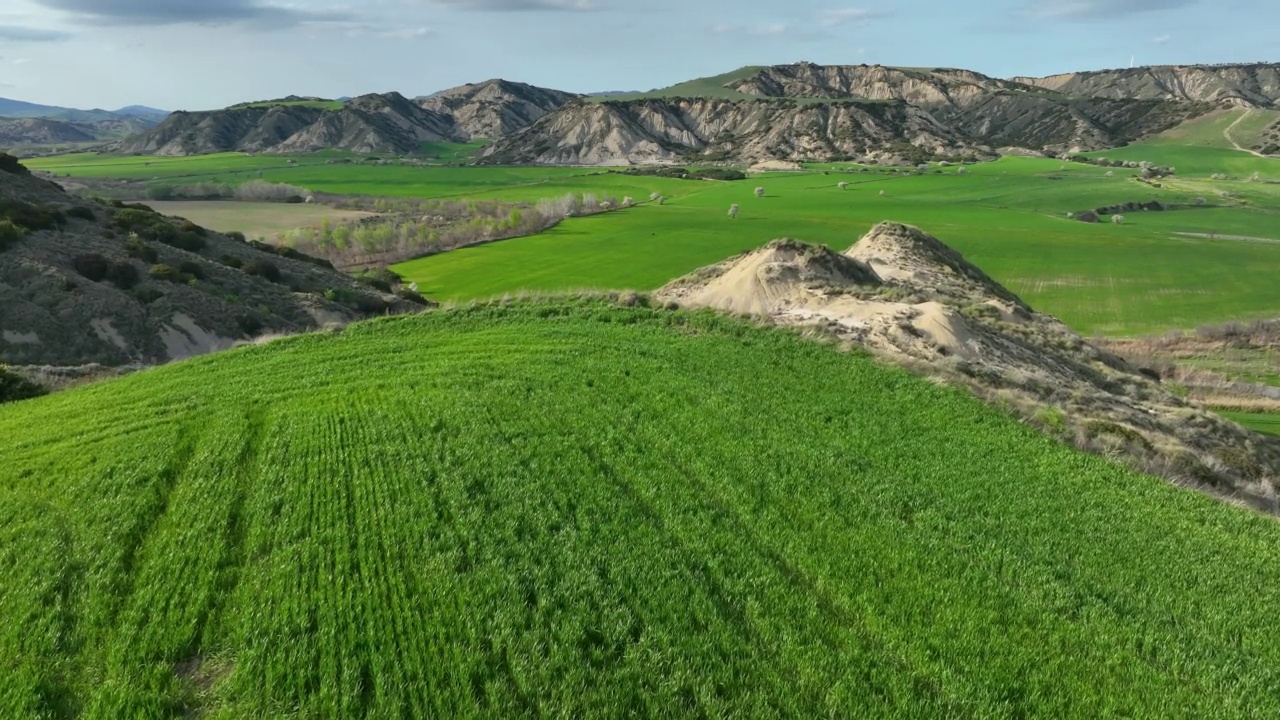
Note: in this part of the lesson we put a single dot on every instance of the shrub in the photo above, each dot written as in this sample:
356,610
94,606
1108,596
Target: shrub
140,250
718,174
264,269
91,266
163,273
147,295
189,241
10,234
412,296
123,274
192,268
160,192
14,387
81,212
10,164
190,227
232,261
32,217
249,325
236,235
383,279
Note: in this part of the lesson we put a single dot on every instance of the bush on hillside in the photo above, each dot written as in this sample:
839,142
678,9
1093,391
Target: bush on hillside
192,269
231,261
163,273
11,165
91,266
81,212
32,217
383,279
123,275
10,234
263,269
14,387
189,241
236,235
140,250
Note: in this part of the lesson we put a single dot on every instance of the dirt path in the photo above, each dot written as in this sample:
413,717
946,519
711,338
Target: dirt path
1226,133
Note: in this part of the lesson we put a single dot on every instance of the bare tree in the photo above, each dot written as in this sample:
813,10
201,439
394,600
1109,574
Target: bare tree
733,211
759,192
628,201
654,196
1199,201
606,206
1111,173
843,185
881,193
1117,219
962,171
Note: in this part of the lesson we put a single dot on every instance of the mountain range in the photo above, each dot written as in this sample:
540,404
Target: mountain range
29,124
801,111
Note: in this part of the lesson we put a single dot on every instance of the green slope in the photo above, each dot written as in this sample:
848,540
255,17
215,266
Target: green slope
573,509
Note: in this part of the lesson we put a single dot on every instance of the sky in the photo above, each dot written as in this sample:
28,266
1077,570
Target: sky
202,54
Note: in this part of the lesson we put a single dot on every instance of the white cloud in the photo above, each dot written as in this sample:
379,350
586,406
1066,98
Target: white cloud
849,16
1162,39
1092,10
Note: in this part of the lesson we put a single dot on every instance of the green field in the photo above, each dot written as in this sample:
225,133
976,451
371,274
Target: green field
573,509
254,219
1262,422
1152,274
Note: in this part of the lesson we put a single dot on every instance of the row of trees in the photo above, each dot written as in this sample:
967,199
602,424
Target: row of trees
415,228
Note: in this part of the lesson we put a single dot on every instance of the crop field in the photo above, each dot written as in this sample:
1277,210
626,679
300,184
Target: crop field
1161,270
254,219
576,509
1262,422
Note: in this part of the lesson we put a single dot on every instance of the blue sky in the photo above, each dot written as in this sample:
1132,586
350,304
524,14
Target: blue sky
196,54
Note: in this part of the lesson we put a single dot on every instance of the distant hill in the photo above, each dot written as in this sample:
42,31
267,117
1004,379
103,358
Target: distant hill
495,108
76,288
25,124
143,112
374,123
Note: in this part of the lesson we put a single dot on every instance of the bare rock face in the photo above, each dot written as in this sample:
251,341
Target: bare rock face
937,88
908,297
677,130
78,290
495,108
822,113
375,123
1253,85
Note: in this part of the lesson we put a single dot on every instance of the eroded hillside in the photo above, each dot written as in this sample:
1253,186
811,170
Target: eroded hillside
82,282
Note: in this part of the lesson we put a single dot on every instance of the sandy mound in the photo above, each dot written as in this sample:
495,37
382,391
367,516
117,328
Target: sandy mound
783,275
905,295
911,256
776,166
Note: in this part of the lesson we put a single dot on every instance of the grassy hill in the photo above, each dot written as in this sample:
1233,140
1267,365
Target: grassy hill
577,509
707,87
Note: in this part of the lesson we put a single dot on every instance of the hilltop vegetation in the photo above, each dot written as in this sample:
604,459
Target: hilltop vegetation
584,509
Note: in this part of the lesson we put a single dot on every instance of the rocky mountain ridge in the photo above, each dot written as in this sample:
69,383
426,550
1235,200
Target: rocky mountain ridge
374,123
793,112
1248,85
